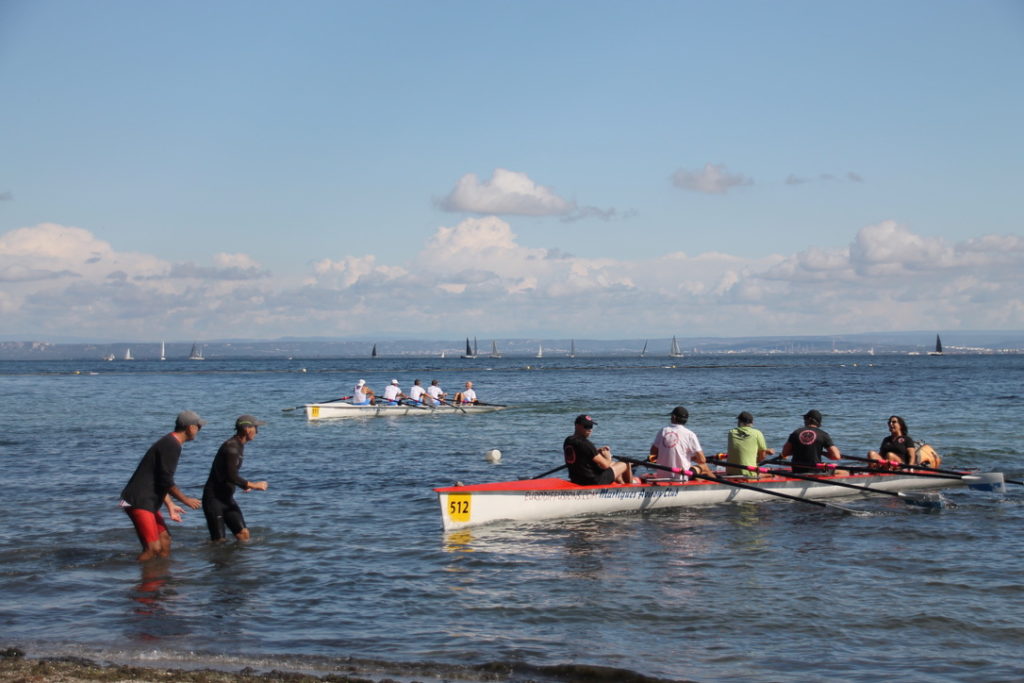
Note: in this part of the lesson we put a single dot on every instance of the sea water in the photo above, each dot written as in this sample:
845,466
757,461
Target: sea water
348,561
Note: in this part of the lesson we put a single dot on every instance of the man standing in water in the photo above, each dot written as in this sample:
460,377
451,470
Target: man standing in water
219,504
809,443
152,484
588,464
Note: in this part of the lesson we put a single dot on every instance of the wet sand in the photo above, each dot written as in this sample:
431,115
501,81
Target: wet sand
16,667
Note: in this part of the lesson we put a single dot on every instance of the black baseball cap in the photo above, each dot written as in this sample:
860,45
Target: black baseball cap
585,420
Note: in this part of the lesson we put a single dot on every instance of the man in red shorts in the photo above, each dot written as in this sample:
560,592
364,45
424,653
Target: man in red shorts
152,485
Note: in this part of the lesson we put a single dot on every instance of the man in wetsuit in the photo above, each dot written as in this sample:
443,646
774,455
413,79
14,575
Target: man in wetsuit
588,464
152,485
219,504
807,444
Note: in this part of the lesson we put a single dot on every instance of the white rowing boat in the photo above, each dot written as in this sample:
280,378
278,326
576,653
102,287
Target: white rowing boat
536,499
320,411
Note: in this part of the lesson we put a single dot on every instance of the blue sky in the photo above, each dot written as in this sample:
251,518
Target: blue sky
512,169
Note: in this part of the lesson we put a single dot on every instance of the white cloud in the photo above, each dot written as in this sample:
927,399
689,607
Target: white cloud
712,179
506,193
476,275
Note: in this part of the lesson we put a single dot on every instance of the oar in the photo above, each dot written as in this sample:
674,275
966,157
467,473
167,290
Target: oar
913,498
333,400
541,476
903,468
453,405
739,485
981,481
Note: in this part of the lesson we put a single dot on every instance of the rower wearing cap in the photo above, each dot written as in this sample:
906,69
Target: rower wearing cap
362,395
393,393
219,504
589,465
152,485
677,446
807,444
747,446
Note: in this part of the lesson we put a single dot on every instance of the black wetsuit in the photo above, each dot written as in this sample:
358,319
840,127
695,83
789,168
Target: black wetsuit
579,455
154,476
808,444
219,504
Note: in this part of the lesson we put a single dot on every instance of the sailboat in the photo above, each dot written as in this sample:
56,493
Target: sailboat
938,347
494,350
675,352
540,351
197,353
373,351
470,353
163,351
572,348
128,354
643,351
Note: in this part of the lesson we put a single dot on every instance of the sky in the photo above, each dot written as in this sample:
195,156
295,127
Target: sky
589,169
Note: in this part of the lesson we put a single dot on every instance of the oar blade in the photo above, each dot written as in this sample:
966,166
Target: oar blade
986,481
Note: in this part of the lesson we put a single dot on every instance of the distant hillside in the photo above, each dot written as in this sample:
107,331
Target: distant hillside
878,343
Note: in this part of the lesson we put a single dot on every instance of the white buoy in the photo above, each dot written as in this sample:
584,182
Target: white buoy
493,456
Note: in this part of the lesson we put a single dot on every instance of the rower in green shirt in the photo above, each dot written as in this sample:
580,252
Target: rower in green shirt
746,446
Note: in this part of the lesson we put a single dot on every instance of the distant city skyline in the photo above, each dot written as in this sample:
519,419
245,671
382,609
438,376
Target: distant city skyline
591,169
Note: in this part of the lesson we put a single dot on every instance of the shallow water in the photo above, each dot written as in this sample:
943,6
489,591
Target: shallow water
349,561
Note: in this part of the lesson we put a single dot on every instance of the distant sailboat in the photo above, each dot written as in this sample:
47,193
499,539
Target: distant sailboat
938,347
540,351
163,351
675,352
109,356
442,354
128,354
572,348
470,353
373,352
643,351
197,353
494,350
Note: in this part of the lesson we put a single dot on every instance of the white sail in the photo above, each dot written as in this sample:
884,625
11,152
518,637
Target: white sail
128,354
540,351
163,351
494,350
675,352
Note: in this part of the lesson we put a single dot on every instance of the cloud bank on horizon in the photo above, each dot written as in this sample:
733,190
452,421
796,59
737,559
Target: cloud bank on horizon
476,277
195,170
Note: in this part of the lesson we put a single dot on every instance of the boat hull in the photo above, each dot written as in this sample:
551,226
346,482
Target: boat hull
340,409
538,499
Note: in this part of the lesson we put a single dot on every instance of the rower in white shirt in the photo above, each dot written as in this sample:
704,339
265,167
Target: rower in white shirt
393,393
435,393
467,395
416,393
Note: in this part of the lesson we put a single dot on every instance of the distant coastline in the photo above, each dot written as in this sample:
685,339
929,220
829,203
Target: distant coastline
882,343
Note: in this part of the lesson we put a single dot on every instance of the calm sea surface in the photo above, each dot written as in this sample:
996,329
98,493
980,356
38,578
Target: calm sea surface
349,561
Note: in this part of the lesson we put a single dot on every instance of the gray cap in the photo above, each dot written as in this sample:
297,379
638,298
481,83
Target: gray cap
187,418
248,421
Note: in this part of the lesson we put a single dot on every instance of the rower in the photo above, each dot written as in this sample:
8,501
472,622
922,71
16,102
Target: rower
393,393
467,395
435,392
417,392
362,395
588,464
746,446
